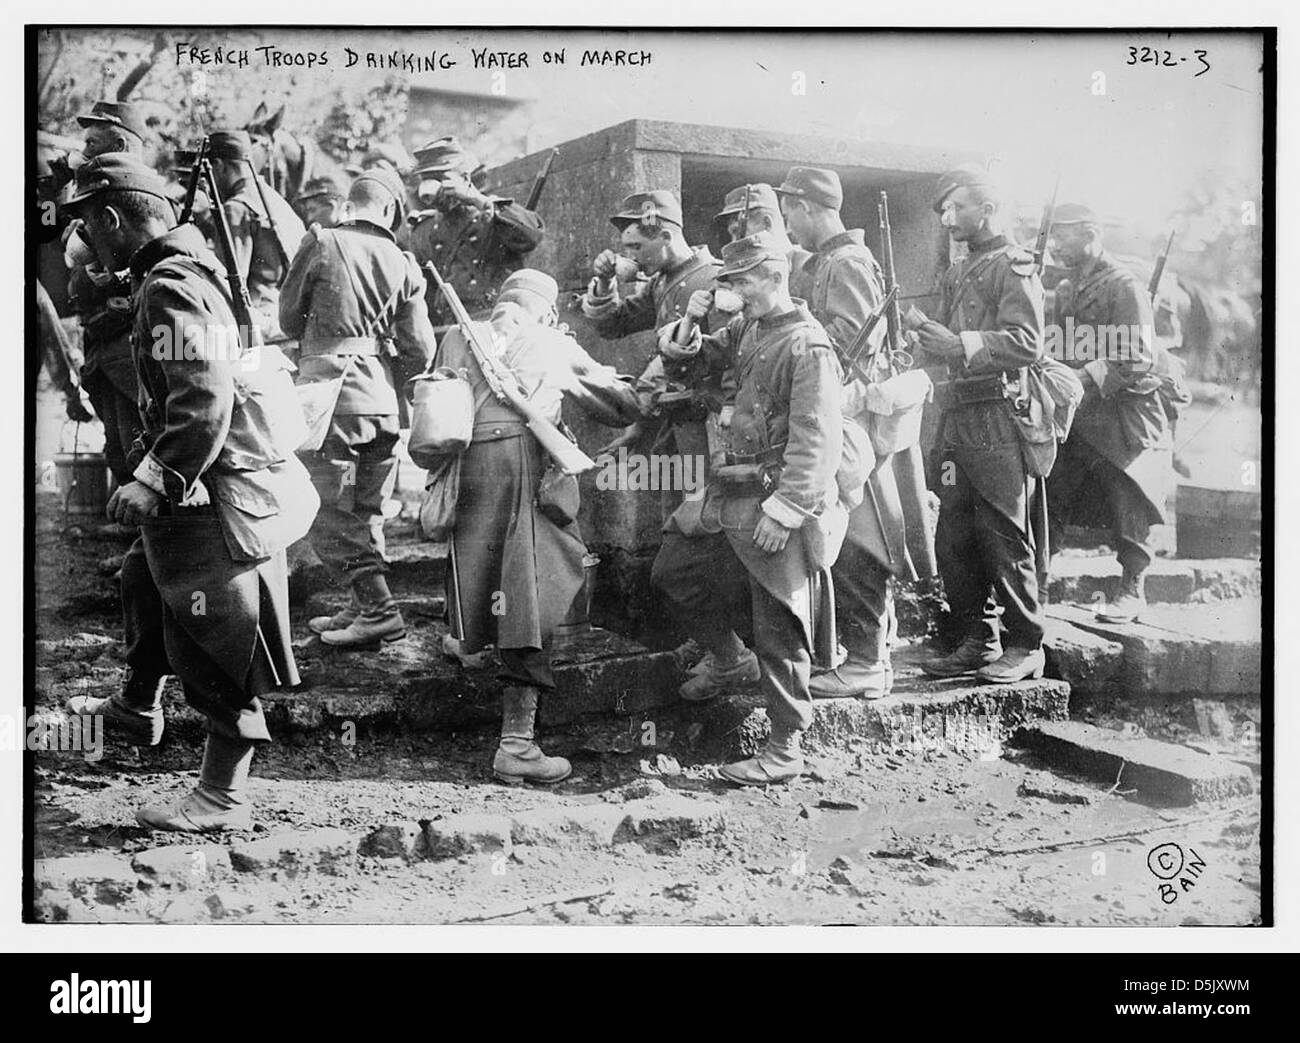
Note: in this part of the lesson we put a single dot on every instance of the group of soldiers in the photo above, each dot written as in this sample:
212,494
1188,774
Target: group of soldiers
782,568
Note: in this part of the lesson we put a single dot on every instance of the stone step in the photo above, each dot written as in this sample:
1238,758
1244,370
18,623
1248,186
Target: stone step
1158,770
921,712
1085,578
1202,650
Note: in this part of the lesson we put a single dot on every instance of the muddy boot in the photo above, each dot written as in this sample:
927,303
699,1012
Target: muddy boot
341,620
379,620
135,714
1016,664
218,802
518,758
971,655
854,679
713,675
780,760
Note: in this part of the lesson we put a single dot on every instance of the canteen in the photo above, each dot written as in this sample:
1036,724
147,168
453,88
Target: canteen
442,415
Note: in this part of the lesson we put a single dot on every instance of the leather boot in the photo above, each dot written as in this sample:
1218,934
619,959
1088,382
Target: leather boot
779,761
135,714
966,658
218,801
1129,603
1016,664
854,679
380,619
518,758
341,620
717,677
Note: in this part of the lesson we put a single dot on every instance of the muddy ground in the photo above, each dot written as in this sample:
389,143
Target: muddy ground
871,835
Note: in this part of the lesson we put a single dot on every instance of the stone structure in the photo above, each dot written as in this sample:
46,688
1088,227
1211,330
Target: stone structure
591,176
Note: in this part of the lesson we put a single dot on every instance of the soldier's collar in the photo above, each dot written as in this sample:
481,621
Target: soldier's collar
361,224
992,243
795,314
183,239
848,237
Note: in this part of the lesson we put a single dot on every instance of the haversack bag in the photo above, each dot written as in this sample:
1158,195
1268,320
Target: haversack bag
442,415
438,511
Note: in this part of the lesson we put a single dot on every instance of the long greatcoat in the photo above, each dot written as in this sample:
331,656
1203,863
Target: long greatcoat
514,573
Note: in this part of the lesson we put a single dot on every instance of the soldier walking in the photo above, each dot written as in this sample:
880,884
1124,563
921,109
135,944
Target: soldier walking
1117,464
350,292
216,490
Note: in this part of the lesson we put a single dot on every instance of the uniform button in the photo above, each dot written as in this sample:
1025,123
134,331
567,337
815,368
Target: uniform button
473,282
496,430
437,246
473,239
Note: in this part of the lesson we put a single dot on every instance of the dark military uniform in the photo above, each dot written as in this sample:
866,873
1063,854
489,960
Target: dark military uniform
1116,468
990,523
351,291
474,250
266,235
787,422
218,446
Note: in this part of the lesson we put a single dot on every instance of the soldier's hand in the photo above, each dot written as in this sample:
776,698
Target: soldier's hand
605,265
700,304
78,406
770,535
940,341
131,503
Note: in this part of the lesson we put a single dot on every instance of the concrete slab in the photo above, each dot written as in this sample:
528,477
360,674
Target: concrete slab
1158,770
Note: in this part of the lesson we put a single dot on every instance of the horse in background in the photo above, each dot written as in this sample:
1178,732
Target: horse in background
285,161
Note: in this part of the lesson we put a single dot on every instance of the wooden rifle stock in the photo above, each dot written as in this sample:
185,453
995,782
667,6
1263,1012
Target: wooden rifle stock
539,182
249,335
568,456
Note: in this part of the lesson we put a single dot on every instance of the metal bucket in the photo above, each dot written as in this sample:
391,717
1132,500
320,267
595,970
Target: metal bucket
81,478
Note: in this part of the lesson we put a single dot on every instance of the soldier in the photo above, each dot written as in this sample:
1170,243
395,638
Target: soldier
349,292
1118,462
514,570
266,234
321,202
217,491
990,329
759,532
476,240
102,299
842,285
650,230
734,221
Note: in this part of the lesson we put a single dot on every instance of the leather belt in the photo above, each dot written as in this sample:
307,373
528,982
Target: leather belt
495,430
340,346
774,454
985,389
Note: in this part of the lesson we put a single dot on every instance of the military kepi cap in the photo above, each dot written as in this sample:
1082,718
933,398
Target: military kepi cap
1075,214
442,155
761,197
528,281
388,179
230,144
119,114
968,175
115,172
814,184
648,208
746,253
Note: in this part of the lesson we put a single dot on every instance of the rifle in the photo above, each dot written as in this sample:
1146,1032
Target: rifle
505,387
862,339
744,214
1045,227
539,182
892,311
249,334
270,217
1159,272
191,190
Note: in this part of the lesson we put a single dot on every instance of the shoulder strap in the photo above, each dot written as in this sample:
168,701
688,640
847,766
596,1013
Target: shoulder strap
383,318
